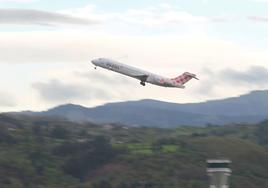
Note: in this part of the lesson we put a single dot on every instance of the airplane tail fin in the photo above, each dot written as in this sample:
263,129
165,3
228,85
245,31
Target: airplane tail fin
185,77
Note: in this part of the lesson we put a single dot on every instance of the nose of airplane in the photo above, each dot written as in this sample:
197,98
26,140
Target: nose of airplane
94,62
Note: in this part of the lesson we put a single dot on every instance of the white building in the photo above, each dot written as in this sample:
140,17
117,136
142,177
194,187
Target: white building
218,172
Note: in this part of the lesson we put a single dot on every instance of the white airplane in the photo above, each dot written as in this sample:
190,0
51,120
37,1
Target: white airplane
142,75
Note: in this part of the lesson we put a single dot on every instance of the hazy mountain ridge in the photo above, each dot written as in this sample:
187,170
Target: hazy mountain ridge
248,108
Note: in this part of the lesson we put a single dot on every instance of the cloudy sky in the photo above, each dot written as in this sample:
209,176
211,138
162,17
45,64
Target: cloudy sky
46,47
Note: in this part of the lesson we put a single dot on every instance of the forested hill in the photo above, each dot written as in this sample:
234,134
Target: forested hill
54,153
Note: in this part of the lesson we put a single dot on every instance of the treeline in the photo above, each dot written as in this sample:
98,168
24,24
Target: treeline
54,153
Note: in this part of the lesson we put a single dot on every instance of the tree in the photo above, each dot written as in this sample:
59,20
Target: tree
89,156
102,184
60,132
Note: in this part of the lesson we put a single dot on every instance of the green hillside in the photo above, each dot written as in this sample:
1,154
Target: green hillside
54,153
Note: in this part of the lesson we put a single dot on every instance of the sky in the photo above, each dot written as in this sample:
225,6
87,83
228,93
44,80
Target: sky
46,47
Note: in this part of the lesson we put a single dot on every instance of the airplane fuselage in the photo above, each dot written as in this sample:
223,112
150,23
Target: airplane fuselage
143,76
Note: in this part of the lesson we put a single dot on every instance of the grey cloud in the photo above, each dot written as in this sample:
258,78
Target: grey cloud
19,1
37,17
258,18
221,19
101,78
57,91
254,75
207,82
207,88
7,100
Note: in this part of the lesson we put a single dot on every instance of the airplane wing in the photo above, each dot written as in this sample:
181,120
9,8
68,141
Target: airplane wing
142,78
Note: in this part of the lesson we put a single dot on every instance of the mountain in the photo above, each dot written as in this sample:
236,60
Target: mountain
248,108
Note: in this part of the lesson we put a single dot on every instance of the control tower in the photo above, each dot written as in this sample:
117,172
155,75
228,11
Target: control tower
218,172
